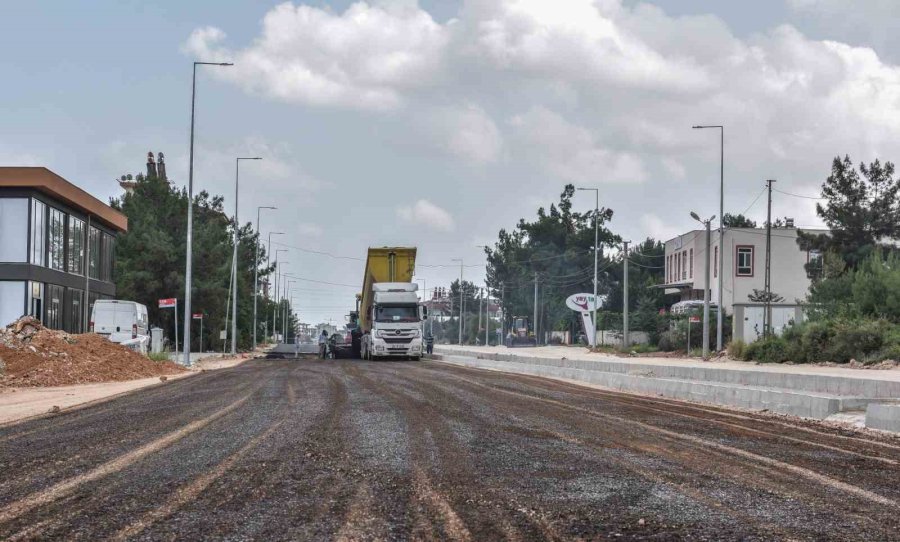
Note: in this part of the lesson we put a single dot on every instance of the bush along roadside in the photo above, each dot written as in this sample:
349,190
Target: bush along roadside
866,341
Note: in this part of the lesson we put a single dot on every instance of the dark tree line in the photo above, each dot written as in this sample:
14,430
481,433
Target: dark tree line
151,260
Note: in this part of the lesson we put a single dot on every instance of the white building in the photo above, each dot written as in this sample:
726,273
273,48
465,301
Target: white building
744,265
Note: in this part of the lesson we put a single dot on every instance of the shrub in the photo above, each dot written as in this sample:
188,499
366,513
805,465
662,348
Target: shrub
159,356
669,341
736,349
769,350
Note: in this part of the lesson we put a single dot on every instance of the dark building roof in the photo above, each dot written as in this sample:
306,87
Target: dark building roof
51,184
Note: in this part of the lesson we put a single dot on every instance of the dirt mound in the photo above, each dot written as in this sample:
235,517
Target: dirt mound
36,356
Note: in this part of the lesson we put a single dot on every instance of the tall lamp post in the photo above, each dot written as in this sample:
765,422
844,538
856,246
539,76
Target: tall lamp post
706,287
596,252
460,320
190,218
237,163
487,304
275,295
721,258
256,272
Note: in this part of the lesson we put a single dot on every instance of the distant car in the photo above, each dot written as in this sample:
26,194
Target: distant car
341,344
119,320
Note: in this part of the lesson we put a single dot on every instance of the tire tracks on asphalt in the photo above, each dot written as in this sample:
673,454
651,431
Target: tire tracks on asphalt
65,487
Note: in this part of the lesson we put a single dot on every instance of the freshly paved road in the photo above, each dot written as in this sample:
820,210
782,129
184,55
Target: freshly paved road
349,450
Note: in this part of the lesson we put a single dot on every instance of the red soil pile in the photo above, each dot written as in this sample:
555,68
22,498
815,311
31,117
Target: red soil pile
35,356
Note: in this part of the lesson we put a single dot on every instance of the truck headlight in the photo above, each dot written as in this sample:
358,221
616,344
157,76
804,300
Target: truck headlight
418,333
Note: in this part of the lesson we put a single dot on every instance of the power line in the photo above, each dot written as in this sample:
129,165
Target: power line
797,195
761,192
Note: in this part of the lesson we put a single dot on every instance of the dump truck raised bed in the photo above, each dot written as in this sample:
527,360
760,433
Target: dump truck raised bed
389,313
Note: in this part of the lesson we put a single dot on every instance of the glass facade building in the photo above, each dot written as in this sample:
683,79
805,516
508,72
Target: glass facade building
51,232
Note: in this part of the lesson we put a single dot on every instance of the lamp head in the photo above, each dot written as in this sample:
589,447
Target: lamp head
695,216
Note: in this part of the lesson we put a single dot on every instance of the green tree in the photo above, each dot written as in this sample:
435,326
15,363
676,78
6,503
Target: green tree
860,209
557,249
151,259
737,221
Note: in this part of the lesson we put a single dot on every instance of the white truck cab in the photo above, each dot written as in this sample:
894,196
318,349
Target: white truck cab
396,317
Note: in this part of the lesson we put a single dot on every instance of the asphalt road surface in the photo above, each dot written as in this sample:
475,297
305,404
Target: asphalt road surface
350,450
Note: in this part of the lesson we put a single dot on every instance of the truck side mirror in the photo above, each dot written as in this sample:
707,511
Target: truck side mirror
424,313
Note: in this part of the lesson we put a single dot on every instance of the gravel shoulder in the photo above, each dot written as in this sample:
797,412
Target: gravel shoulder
351,450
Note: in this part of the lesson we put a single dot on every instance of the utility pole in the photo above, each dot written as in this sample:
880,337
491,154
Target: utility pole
460,320
706,285
768,279
502,313
534,322
487,315
706,289
625,337
256,276
480,302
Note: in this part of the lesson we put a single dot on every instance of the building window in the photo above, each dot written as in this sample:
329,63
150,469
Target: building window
683,265
13,230
56,240
691,266
107,249
75,311
669,268
55,306
75,247
94,252
38,232
677,266
744,261
36,300
12,299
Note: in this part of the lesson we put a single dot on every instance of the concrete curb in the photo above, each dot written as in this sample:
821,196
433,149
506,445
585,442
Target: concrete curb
884,416
808,396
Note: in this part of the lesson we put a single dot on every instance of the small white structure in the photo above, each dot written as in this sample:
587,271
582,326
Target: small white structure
748,323
744,265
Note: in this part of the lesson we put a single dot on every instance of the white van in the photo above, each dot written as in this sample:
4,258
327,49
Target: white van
119,320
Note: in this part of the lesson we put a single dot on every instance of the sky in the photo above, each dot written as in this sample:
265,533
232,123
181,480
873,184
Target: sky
437,123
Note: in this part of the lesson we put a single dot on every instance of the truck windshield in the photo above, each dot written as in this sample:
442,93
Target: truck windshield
397,313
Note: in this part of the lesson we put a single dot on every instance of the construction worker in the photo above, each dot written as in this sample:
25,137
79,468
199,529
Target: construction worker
323,344
429,343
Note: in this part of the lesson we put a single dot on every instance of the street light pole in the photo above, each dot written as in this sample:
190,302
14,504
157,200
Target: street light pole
596,252
190,219
234,260
275,295
460,320
706,287
721,259
256,274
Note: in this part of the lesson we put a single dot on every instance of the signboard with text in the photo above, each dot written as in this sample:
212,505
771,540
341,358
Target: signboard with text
198,316
168,303
586,305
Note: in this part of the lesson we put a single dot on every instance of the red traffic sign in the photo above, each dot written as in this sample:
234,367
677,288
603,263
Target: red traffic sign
198,316
695,319
168,303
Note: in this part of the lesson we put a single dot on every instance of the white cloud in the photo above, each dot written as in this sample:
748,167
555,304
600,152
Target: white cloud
365,58
308,230
582,91
571,152
465,132
425,213
656,227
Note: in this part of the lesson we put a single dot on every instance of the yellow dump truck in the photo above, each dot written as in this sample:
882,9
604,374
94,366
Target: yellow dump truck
389,313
